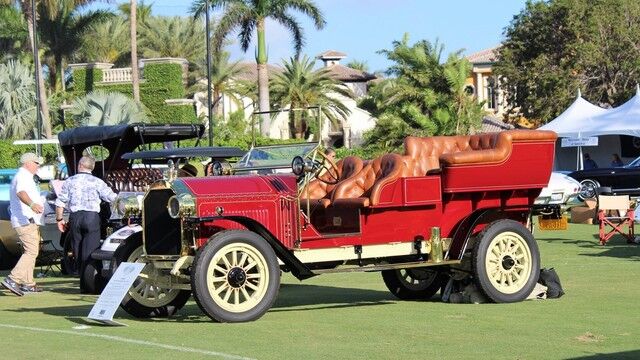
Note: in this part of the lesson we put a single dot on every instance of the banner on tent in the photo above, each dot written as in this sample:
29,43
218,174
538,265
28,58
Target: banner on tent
574,142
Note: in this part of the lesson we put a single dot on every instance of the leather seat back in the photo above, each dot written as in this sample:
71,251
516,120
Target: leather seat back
347,167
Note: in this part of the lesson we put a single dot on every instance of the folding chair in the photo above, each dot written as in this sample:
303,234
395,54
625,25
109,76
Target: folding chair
49,259
616,212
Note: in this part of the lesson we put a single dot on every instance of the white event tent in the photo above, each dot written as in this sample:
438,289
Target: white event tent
583,119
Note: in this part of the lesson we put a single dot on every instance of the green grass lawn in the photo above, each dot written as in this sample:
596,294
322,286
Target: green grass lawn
353,316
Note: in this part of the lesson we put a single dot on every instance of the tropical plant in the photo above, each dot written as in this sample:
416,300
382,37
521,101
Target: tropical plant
106,42
61,27
100,108
143,12
17,100
245,16
423,97
358,65
173,37
13,33
133,27
225,80
552,48
299,87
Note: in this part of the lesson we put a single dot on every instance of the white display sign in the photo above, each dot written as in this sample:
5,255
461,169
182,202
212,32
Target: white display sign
574,142
114,292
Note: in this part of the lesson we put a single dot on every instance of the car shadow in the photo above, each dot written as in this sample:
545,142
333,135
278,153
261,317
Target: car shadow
632,354
291,297
616,247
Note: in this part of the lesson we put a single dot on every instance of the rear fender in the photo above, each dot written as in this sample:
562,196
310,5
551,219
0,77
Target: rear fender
475,222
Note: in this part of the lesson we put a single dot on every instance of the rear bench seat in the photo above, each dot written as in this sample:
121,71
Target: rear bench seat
424,155
132,179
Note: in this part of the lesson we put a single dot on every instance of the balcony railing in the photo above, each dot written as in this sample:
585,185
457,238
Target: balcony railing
116,75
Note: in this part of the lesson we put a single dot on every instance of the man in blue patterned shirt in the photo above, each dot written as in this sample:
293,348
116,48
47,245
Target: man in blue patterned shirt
82,194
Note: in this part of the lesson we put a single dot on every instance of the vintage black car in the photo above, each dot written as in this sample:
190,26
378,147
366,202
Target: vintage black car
128,175
624,180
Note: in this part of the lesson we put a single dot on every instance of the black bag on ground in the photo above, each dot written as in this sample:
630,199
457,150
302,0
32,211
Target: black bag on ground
550,279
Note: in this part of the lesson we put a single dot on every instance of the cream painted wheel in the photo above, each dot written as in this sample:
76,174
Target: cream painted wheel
235,277
143,299
506,261
146,294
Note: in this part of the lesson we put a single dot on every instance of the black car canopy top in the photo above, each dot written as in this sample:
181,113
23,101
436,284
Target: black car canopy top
215,152
119,139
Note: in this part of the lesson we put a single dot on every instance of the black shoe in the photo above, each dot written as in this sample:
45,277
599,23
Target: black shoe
12,286
30,289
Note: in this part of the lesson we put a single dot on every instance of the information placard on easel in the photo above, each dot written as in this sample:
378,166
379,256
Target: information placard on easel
114,292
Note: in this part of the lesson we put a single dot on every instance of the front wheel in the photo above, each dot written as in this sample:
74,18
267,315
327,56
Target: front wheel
91,280
235,277
506,261
588,189
413,284
144,300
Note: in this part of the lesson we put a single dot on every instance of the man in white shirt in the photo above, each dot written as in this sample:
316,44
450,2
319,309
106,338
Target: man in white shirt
25,205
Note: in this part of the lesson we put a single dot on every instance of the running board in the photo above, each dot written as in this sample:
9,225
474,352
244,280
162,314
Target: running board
386,267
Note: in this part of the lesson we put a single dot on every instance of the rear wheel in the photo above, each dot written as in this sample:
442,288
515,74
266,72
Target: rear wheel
413,284
235,277
506,261
144,300
7,259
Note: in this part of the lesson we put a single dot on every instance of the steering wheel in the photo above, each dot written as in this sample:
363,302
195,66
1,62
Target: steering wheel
332,174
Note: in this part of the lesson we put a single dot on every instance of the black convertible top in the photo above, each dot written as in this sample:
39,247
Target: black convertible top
118,140
215,152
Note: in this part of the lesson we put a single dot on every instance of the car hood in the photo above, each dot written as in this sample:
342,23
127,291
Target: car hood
238,185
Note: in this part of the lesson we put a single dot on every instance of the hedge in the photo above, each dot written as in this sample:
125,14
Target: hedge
10,154
161,82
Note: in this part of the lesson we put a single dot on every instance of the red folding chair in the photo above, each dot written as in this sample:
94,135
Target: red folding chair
616,212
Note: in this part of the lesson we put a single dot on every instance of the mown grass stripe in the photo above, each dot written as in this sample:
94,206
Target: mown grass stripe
131,341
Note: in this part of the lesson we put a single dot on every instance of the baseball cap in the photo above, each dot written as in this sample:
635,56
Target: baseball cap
26,157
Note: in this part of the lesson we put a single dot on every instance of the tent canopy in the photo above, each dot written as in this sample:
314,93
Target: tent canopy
579,118
583,119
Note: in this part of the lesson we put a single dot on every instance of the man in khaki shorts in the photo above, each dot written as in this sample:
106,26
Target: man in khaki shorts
25,206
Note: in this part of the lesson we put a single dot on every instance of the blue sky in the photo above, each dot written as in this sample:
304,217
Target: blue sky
359,28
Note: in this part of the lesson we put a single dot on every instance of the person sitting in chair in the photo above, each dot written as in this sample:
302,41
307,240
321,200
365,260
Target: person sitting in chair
589,163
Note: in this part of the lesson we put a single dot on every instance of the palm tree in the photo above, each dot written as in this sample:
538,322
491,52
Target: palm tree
299,86
225,80
135,77
13,33
249,15
106,42
17,100
173,37
61,32
358,65
99,108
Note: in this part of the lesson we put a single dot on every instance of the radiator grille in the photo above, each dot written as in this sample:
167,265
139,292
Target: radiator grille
161,231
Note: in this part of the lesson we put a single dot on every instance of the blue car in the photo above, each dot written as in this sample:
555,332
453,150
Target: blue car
6,175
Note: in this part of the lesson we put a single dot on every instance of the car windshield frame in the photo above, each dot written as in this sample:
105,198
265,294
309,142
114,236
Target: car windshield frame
634,164
274,156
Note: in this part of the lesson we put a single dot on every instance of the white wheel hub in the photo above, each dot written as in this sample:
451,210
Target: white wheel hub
508,262
237,277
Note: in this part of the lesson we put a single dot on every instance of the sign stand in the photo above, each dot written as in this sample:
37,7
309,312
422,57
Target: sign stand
112,295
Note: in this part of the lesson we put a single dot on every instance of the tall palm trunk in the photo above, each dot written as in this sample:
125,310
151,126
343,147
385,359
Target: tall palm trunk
25,5
263,79
135,79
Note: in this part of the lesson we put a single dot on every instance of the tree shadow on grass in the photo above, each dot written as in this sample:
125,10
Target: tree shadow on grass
632,354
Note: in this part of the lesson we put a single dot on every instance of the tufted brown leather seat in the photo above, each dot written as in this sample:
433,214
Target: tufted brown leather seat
364,188
132,179
426,154
320,192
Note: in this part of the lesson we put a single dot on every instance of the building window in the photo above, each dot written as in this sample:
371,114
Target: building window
492,94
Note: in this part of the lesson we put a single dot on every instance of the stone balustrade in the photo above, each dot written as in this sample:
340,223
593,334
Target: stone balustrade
116,75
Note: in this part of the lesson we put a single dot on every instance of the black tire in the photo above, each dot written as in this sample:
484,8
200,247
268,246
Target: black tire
169,301
68,264
7,259
517,267
588,189
256,285
91,280
413,284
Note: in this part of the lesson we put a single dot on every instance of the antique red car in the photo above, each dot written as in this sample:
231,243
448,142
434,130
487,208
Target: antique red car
448,205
